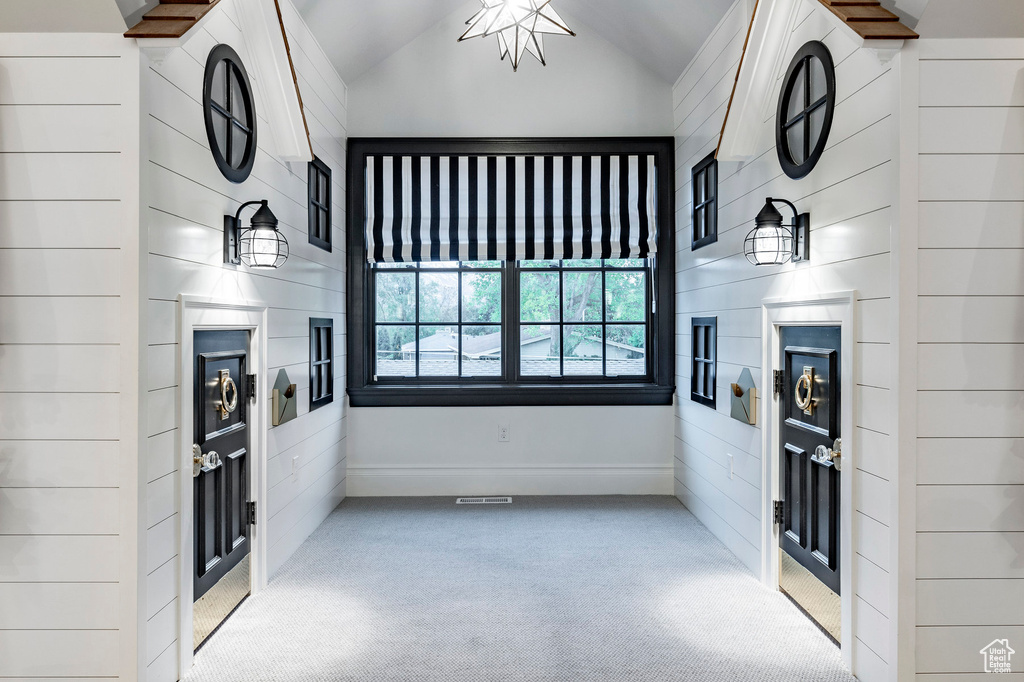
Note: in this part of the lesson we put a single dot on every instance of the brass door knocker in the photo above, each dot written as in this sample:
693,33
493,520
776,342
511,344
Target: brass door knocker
227,385
805,384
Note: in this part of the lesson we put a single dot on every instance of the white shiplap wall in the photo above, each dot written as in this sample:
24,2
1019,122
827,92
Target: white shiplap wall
850,197
184,200
69,330
970,472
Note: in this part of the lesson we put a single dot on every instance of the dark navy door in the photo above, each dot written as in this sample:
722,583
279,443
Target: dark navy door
221,482
810,478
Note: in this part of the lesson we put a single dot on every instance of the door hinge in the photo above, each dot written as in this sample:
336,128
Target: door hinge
250,387
250,511
779,378
778,511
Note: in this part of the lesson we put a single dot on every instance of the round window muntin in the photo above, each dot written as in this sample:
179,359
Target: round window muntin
240,115
799,73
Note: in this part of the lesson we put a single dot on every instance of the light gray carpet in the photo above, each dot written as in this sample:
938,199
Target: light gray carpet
591,588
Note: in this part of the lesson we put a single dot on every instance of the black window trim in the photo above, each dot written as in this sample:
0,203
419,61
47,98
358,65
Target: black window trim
710,358
814,49
315,361
319,204
708,168
226,53
658,389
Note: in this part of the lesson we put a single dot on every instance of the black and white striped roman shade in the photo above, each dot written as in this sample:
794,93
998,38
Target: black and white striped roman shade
476,208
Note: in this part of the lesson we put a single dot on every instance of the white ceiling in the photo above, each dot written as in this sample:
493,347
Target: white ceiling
663,35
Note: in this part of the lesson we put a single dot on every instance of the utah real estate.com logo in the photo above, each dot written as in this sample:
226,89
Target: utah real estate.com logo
997,656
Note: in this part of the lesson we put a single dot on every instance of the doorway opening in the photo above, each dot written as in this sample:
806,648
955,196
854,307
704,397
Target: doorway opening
808,517
222,548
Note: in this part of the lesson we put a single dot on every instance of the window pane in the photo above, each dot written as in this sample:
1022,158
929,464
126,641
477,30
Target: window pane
582,263
237,100
584,350
698,379
626,263
321,194
220,131
795,135
699,187
393,266
582,296
626,297
481,297
538,264
709,380
439,352
817,123
538,297
819,86
481,351
218,91
495,264
438,265
539,351
626,348
239,138
699,226
698,342
439,297
796,99
396,351
396,297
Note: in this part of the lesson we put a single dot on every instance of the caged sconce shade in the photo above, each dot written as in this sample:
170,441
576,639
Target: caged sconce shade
772,243
261,245
519,25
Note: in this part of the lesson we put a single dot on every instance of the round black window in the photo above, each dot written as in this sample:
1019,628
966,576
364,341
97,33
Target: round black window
806,106
230,114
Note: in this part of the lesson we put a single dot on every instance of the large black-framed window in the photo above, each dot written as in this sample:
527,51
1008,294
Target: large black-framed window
807,104
703,360
229,113
704,202
319,196
615,354
321,362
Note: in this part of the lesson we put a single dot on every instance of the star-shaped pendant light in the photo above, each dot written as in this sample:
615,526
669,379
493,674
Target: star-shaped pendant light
518,25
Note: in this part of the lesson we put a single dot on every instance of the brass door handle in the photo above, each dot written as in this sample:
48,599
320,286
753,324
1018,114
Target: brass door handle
227,385
805,383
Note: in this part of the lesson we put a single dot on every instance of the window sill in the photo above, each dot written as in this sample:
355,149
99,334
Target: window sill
461,395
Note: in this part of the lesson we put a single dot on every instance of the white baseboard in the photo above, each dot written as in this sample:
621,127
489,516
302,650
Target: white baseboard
433,481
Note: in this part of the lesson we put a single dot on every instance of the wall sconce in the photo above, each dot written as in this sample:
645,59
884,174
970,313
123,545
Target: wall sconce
260,245
772,243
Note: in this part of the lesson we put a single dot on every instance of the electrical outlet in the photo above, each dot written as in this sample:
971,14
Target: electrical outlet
730,458
295,465
504,433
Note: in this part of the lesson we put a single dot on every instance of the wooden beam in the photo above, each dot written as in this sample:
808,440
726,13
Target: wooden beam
864,13
882,30
160,28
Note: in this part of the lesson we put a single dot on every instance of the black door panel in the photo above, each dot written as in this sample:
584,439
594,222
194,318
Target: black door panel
221,490
811,405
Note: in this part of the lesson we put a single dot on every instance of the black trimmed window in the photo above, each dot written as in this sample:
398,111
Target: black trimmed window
704,202
230,113
806,106
447,306
319,184
704,360
569,319
321,362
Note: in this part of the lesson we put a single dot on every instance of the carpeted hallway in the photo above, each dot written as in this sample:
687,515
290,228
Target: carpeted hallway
565,588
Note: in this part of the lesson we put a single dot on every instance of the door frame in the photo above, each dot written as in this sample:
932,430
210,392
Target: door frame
199,313
834,309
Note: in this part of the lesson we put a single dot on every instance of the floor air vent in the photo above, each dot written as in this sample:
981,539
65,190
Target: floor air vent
483,500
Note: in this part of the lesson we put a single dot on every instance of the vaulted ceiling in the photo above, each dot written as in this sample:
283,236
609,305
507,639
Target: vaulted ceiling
663,35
